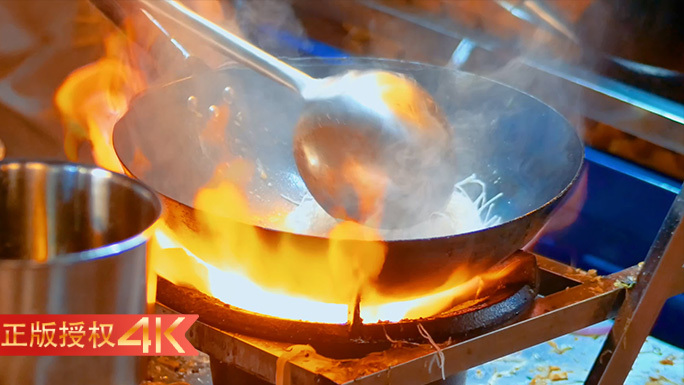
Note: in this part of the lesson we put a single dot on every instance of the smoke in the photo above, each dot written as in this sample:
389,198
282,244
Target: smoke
538,44
271,25
256,110
541,59
519,43
493,123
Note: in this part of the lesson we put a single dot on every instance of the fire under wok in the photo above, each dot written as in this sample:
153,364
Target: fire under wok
515,144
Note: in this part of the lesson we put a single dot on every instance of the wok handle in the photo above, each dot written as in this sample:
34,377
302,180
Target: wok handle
149,34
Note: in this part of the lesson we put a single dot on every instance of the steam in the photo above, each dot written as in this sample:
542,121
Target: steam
474,118
519,43
537,40
269,24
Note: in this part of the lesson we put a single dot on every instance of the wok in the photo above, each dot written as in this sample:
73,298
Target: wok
514,143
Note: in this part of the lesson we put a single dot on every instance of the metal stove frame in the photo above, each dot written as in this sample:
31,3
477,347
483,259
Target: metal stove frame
570,299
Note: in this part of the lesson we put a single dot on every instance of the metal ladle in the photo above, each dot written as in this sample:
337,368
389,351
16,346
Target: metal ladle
371,146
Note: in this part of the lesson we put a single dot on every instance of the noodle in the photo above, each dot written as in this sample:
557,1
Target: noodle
462,214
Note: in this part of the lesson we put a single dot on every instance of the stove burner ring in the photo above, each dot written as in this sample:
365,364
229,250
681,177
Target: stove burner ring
496,306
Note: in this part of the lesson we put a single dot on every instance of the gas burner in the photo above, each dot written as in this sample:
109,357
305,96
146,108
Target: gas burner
570,299
493,304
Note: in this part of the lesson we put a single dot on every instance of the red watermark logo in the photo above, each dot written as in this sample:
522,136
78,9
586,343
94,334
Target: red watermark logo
95,335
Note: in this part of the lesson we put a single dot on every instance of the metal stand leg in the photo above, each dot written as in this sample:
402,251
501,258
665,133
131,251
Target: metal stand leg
661,277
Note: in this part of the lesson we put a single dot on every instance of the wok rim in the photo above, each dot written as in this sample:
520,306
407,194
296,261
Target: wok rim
108,250
341,61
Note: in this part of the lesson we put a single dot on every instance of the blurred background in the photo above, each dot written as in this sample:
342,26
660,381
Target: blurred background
636,42
614,68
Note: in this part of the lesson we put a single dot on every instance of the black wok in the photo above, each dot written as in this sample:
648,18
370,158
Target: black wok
514,143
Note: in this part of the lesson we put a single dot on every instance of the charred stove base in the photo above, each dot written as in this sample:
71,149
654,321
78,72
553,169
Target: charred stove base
493,305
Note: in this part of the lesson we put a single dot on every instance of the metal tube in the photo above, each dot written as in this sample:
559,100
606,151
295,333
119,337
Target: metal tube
72,241
171,60
225,41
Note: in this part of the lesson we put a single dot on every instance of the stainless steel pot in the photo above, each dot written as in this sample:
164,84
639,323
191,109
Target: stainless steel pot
72,241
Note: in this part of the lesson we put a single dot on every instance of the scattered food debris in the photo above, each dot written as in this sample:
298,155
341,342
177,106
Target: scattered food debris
557,349
164,383
591,273
169,362
178,370
558,376
659,381
669,360
551,373
627,283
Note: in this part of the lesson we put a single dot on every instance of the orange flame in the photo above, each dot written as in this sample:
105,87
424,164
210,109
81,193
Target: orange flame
278,276
238,288
93,98
279,265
